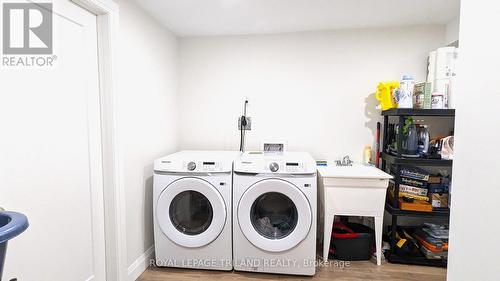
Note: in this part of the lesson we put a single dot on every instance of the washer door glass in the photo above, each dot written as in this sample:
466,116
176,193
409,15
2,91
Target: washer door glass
191,212
274,215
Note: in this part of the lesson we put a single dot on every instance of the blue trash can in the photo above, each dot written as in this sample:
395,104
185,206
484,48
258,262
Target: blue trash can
11,225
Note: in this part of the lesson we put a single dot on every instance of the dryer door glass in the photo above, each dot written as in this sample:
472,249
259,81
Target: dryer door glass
274,215
191,212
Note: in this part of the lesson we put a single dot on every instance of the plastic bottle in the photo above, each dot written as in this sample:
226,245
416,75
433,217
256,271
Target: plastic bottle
405,92
367,154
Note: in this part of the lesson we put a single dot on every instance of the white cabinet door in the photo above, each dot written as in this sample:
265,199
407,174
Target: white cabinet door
50,156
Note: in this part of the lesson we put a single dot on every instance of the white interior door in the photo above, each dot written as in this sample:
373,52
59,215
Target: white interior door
50,157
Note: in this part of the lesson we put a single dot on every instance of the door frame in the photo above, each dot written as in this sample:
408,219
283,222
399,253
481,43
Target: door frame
107,13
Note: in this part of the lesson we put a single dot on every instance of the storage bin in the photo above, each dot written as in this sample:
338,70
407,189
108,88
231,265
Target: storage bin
352,242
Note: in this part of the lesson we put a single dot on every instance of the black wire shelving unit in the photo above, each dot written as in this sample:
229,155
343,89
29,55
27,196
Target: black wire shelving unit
397,160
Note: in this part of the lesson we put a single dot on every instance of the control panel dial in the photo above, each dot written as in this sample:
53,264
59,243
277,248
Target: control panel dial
274,167
191,166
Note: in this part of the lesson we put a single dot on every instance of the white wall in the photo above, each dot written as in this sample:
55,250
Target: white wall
312,89
147,108
452,30
473,256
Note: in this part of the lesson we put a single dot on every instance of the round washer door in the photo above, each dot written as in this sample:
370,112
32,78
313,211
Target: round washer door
191,212
274,215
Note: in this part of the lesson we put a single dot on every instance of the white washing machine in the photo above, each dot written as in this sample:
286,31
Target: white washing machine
274,213
192,209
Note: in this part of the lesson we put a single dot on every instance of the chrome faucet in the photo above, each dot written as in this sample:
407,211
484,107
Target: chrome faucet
345,161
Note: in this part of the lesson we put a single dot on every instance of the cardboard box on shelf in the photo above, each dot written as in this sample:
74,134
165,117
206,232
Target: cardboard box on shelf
413,182
424,89
413,190
409,189
416,205
440,200
416,197
434,179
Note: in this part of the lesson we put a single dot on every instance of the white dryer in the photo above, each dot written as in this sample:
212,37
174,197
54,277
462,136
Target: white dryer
274,213
192,209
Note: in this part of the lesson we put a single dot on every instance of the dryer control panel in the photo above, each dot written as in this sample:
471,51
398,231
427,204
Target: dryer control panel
288,163
286,167
192,166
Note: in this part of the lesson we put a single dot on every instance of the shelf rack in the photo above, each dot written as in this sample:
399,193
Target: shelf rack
441,212
419,112
391,257
398,160
415,161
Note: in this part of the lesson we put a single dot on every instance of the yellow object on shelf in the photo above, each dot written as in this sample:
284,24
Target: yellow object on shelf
417,197
416,205
385,94
367,154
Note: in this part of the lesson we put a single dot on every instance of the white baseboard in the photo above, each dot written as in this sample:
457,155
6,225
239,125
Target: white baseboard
140,264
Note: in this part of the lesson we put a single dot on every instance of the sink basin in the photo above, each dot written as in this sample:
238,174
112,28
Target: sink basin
356,171
11,225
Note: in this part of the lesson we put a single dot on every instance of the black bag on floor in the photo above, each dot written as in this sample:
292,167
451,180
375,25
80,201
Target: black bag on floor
351,241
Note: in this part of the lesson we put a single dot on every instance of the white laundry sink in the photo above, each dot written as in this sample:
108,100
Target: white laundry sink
357,190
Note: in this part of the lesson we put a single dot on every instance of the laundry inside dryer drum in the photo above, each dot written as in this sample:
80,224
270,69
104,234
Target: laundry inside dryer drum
273,215
191,212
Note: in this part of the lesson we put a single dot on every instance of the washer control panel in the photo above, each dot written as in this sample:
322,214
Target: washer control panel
203,166
285,167
255,162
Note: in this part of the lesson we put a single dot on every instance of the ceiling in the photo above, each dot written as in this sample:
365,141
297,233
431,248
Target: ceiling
231,17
